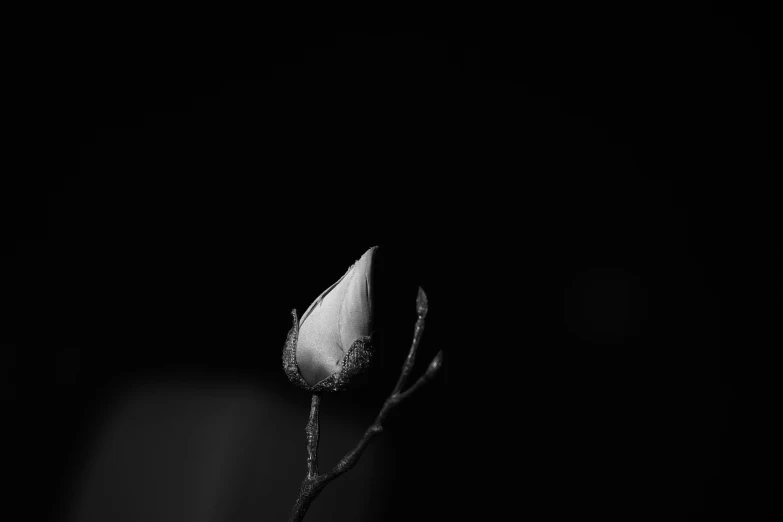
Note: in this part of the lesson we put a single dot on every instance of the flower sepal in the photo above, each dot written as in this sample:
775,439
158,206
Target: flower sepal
355,362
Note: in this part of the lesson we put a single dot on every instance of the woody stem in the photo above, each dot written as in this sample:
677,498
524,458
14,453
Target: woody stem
313,483
312,430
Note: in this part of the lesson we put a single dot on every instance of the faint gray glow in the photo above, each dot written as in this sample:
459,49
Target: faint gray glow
606,306
198,454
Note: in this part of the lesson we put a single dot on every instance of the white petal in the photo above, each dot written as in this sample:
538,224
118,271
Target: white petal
356,310
339,316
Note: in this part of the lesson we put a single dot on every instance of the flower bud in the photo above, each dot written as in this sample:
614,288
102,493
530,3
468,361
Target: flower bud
332,343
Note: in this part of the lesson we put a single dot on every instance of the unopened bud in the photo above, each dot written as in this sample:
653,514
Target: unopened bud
332,342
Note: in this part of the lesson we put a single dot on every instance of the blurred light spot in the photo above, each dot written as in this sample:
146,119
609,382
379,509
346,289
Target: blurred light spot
606,306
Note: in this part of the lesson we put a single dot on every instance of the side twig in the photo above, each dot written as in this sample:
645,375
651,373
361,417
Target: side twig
314,482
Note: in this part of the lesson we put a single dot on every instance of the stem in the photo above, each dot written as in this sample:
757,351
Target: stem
307,493
312,430
314,482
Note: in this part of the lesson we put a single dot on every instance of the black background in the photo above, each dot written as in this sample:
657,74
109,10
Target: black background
587,200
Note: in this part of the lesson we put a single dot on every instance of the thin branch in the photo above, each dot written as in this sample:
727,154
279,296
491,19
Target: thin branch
421,309
432,370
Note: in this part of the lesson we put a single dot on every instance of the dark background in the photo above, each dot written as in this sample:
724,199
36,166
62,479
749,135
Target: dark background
587,200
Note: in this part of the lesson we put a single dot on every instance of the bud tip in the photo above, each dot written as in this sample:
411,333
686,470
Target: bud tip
436,363
421,303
